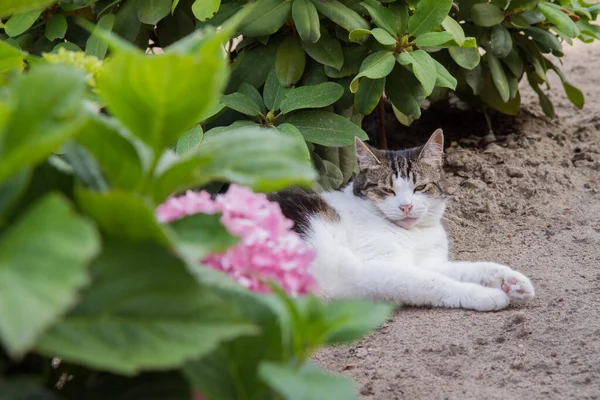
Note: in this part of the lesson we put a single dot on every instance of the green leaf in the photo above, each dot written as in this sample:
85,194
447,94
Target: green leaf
9,7
368,95
19,23
152,11
422,66
95,46
433,39
349,320
498,76
404,119
519,21
467,58
290,61
486,14
326,51
383,37
43,258
400,10
383,17
254,94
428,15
273,92
562,21
127,25
56,27
514,62
375,66
306,19
574,94
332,179
293,132
11,191
205,9
444,78
489,94
315,96
450,25
11,59
547,42
475,80
250,155
83,165
265,18
326,128
306,383
501,42
545,102
157,315
341,15
353,57
47,112
252,66
405,92
190,141
145,92
241,103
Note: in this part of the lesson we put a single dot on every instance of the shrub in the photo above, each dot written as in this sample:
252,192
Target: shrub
98,299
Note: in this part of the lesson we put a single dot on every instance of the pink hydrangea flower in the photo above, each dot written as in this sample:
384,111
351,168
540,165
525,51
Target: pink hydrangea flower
268,249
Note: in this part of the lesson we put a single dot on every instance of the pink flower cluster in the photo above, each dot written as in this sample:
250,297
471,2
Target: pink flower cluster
268,250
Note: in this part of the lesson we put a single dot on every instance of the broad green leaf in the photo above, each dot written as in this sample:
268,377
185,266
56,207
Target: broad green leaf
326,51
43,260
501,42
56,27
290,61
545,102
254,94
489,94
306,383
574,94
444,78
241,103
341,15
116,155
152,11
47,111
349,320
95,46
11,59
157,315
326,128
145,92
368,95
422,66
535,58
316,96
562,21
306,19
252,66
400,10
428,15
382,16
514,62
475,79
547,42
273,92
519,21
450,25
11,191
19,23
205,9
82,165
433,39
127,25
174,6
265,17
9,7
498,76
467,58
405,91
513,85
375,66
293,132
246,154
190,141
357,35
383,37
404,119
332,178
486,14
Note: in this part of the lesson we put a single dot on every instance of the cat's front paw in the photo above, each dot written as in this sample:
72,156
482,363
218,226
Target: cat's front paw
484,299
516,285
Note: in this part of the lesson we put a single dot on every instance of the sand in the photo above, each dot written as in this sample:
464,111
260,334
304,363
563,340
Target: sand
529,200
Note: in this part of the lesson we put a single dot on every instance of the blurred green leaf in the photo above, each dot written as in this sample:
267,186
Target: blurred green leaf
95,46
19,23
10,192
326,128
562,21
574,94
152,11
422,66
498,76
316,96
545,102
332,179
290,61
127,25
375,66
486,14
500,41
252,66
56,27
241,103
9,7
306,19
11,59
190,141
341,15
293,132
205,9
265,17
547,42
514,62
43,258
429,15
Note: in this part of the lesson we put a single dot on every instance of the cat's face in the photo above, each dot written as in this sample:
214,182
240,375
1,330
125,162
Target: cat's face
407,186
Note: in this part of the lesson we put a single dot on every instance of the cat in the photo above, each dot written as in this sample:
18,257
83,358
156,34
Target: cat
381,236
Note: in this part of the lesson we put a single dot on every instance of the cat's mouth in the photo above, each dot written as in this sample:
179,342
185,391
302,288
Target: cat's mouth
407,222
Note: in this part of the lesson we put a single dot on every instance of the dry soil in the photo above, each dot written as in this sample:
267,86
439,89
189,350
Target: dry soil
530,199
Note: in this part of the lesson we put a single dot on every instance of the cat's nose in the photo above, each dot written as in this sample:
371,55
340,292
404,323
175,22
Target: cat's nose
406,208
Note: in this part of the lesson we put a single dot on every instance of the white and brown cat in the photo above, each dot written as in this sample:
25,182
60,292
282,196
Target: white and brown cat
381,236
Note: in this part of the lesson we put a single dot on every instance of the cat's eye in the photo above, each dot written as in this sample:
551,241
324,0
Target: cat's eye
388,191
420,188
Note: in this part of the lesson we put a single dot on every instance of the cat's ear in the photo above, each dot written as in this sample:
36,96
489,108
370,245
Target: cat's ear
433,151
364,155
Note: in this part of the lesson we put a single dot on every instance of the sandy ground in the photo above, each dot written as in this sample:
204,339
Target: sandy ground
529,200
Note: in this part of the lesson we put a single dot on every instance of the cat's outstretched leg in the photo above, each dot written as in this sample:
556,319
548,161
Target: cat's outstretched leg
516,285
418,287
